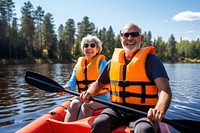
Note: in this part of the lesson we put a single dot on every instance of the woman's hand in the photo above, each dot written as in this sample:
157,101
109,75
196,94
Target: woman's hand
61,93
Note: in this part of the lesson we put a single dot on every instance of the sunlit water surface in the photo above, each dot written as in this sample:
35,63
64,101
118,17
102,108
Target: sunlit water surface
21,103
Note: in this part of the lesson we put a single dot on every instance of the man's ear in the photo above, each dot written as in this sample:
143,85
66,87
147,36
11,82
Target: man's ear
142,38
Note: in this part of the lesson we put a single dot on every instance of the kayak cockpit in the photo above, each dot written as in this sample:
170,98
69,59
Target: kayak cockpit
53,122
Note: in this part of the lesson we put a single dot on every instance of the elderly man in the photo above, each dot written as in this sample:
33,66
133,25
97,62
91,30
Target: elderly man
136,77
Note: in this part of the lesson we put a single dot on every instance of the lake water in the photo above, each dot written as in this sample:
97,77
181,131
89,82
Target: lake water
21,103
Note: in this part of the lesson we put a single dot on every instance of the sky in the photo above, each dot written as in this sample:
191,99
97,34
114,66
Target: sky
162,17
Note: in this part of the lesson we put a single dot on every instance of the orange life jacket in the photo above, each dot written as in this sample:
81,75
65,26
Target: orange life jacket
86,74
129,83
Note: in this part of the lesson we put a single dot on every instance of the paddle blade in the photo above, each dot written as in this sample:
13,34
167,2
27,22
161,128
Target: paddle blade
42,82
47,84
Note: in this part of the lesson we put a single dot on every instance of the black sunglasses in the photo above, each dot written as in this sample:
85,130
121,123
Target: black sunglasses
91,45
133,34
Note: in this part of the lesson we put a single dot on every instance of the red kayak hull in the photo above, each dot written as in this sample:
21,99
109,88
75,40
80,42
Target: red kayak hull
52,122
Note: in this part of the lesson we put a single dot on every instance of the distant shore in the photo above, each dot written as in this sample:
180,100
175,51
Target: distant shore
188,60
40,61
28,61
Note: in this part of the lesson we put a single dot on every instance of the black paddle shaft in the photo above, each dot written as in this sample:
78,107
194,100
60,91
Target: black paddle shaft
49,85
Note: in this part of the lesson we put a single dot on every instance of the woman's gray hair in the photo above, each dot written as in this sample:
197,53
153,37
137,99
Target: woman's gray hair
89,39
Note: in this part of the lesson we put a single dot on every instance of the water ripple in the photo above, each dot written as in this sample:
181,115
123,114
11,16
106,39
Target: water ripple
21,103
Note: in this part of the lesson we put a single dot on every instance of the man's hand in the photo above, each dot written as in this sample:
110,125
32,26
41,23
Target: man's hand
155,115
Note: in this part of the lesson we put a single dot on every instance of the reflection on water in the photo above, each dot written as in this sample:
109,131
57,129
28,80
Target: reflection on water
21,103
185,84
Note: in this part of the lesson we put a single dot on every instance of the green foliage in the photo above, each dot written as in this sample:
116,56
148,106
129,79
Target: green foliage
117,42
147,39
161,47
171,53
36,37
45,53
49,36
108,39
28,27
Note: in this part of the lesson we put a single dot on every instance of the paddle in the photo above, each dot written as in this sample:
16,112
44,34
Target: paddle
49,85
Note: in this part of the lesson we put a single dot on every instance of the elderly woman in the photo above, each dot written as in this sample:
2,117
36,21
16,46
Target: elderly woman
86,71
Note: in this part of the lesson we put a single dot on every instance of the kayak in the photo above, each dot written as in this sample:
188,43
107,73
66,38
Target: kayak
53,122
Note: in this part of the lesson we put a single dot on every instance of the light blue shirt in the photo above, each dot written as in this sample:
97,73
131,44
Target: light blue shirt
72,81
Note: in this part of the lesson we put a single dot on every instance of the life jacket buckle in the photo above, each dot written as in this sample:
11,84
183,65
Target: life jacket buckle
123,83
124,94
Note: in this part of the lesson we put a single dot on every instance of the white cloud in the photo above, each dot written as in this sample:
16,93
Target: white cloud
187,16
190,31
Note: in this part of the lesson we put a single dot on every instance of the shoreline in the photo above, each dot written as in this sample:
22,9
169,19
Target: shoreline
29,61
41,61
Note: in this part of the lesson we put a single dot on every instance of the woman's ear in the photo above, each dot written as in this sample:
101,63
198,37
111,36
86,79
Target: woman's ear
121,39
98,49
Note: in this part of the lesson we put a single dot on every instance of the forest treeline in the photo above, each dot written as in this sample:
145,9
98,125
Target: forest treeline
33,36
